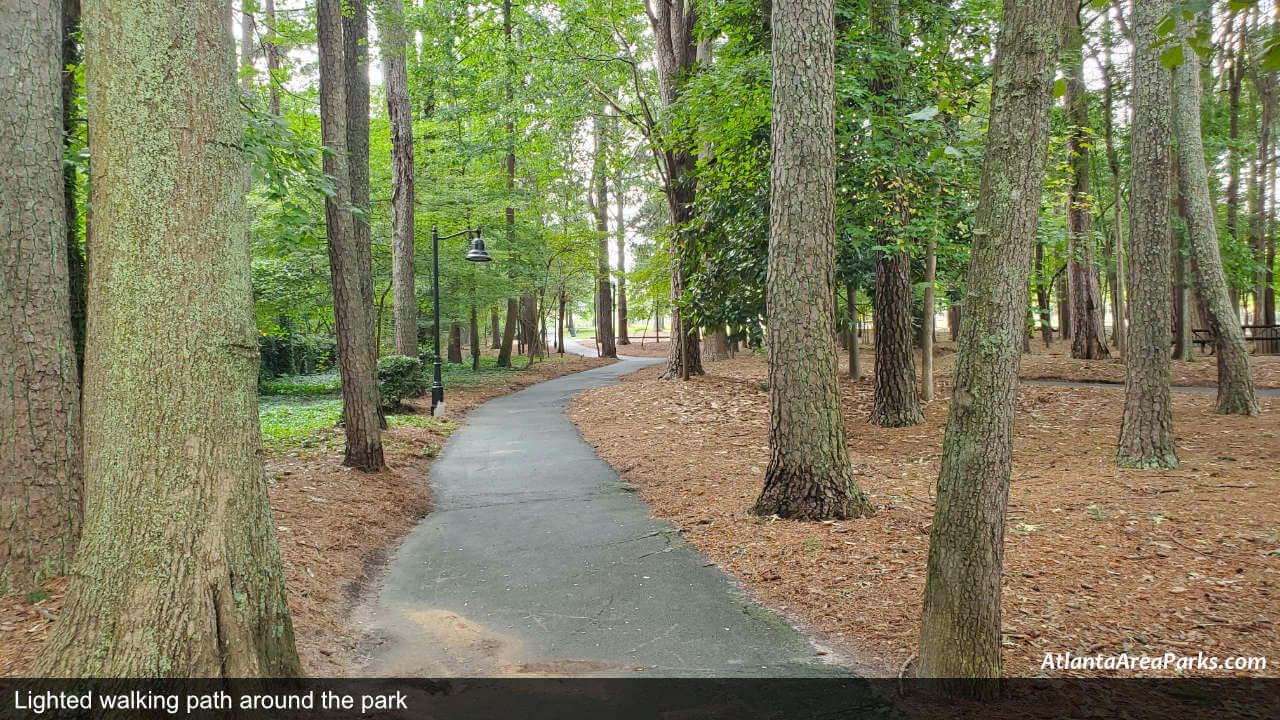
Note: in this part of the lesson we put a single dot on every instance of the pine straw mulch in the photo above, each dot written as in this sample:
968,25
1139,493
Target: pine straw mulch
1098,559
1056,363
336,528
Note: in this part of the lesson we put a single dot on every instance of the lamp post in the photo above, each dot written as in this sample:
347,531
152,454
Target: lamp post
476,254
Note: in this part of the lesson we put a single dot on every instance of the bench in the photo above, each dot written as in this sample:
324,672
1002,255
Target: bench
1265,339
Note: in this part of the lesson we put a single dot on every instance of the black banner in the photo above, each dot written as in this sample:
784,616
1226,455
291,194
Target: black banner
630,698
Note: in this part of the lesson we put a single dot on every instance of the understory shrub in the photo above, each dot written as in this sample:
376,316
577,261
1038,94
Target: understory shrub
399,377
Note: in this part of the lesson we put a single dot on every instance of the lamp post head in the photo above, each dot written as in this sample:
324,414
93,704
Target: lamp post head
477,252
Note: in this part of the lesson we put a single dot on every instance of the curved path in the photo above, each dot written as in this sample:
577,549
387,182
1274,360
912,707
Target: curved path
537,559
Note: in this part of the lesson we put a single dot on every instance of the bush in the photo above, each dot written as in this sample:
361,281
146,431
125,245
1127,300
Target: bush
399,377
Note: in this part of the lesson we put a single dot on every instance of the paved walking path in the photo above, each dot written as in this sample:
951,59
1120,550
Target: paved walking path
537,559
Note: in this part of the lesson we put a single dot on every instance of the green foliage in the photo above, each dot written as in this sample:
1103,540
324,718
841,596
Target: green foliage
399,377
292,424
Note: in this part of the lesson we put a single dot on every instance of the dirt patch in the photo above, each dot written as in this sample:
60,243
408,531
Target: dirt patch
1098,559
336,529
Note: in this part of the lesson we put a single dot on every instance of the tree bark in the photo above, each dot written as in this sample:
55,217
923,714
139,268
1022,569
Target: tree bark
896,402
508,333
715,345
604,289
926,328
40,483
1235,377
273,55
475,339
1116,277
455,343
1042,297
1088,340
178,573
619,221
809,475
355,36
1146,431
960,631
395,74
673,23
348,267
855,357
495,342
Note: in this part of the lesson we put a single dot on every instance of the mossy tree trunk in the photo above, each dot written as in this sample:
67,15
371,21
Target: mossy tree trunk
178,573
40,470
1235,378
395,75
960,631
1146,430
348,264
809,475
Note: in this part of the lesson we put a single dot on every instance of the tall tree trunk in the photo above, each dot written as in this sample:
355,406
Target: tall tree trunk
475,339
896,402
178,573
355,54
495,341
508,333
1146,431
455,343
809,475
1088,341
673,23
1116,278
619,221
395,74
1235,378
40,484
960,631
1064,305
855,357
349,269
1042,297
926,327
273,55
604,289
560,323
715,345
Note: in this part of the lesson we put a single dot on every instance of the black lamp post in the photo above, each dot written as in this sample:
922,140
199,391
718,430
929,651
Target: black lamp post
476,254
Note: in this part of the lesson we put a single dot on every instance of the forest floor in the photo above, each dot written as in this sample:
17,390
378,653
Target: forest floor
1098,559
336,528
634,349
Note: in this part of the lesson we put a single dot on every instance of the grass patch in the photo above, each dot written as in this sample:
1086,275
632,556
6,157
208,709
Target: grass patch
291,423
316,384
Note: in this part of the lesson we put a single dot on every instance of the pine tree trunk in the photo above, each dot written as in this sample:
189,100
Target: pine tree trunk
178,573
960,631
855,357
619,221
926,328
495,341
348,266
355,57
896,402
395,75
475,339
40,461
560,318
1116,278
673,24
508,333
1235,377
1042,297
715,345
273,54
809,475
1146,431
604,289
455,343
1088,340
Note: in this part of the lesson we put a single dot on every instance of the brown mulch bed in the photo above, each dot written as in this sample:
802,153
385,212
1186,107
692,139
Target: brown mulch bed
1098,559
635,348
336,528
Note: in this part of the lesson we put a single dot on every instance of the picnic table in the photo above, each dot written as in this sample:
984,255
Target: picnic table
1265,339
